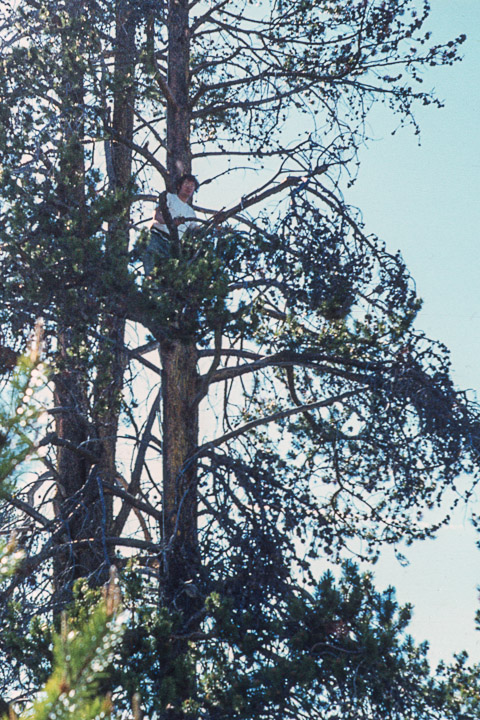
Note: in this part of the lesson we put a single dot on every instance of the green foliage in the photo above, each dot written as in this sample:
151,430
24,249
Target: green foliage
10,557
82,654
192,293
458,690
18,418
340,649
28,646
19,415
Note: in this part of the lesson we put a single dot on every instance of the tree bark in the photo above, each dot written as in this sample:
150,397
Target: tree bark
112,361
180,566
179,357
180,442
78,494
181,563
179,159
80,505
85,509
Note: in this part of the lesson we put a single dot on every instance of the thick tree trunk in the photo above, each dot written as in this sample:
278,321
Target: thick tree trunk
179,358
180,441
181,561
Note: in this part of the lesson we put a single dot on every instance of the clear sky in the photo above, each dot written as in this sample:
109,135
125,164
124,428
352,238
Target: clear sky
425,201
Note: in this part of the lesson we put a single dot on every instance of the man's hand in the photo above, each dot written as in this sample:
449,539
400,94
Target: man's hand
157,219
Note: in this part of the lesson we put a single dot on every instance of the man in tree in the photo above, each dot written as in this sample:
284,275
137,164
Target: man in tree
173,210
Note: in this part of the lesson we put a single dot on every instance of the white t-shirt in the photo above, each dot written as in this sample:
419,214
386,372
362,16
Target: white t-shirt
178,209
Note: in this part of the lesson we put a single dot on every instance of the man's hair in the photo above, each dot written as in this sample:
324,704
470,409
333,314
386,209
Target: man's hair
187,176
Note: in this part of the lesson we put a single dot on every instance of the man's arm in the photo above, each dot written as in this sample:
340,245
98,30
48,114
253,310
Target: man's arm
157,219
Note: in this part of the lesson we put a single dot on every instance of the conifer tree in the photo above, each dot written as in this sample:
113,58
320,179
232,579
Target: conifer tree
334,423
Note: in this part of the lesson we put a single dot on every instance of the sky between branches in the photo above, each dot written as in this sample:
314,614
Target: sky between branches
423,200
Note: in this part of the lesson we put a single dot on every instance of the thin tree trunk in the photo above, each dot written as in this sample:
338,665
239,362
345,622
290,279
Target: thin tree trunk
112,361
78,505
84,508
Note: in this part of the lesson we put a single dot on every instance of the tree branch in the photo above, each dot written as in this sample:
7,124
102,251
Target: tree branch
249,202
280,415
247,354
134,501
289,359
203,18
247,105
144,152
53,439
164,87
137,469
30,511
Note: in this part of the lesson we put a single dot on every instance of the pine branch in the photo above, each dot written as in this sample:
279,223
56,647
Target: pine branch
274,417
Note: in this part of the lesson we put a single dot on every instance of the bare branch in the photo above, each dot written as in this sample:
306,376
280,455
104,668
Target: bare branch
276,98
134,501
291,360
137,469
29,510
249,202
247,354
144,152
205,379
280,415
53,439
206,16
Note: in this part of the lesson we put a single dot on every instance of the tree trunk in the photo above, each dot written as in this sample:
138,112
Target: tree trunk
179,158
80,505
112,360
181,562
180,568
179,358
79,497
85,510
180,441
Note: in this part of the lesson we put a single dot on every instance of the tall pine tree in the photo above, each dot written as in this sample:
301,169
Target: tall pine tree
330,424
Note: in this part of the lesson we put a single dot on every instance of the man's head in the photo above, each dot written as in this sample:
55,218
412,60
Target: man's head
186,186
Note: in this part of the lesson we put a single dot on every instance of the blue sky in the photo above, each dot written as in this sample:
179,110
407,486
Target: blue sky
425,201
